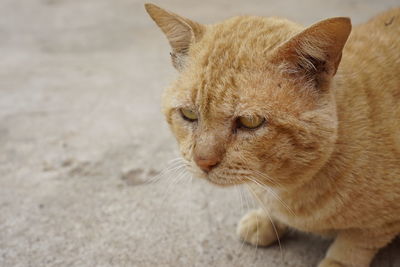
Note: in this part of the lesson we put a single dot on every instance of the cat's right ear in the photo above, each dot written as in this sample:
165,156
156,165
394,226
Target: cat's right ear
180,32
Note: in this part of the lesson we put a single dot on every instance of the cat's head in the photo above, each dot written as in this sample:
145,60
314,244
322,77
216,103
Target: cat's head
253,100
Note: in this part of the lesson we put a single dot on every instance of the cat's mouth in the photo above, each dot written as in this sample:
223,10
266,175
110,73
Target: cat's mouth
214,176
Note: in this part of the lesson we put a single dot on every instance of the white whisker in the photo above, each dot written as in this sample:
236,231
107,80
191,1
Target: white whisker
269,216
267,177
242,207
173,165
269,190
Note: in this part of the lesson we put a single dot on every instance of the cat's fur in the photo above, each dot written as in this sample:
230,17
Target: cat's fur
327,160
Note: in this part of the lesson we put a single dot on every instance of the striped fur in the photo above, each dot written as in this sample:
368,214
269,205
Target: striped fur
330,148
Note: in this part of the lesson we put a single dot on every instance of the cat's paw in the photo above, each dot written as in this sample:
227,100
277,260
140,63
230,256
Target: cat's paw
256,228
330,263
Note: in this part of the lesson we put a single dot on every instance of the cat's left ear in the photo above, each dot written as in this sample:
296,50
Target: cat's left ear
180,32
315,53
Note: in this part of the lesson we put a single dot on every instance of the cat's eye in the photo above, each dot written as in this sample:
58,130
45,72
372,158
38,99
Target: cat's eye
250,122
188,114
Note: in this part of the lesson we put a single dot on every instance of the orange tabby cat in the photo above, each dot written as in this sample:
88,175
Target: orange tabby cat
264,101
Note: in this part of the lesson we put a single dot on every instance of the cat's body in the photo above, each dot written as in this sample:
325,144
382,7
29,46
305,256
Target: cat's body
362,176
262,101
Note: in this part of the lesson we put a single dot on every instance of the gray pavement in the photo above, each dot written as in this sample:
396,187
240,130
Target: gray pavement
81,132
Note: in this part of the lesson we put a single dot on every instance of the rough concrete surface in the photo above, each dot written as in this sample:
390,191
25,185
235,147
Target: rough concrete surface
81,132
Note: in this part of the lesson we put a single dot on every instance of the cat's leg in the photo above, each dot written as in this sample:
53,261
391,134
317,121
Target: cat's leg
256,228
355,248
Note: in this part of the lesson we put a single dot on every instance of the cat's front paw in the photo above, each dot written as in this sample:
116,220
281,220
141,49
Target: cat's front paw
256,228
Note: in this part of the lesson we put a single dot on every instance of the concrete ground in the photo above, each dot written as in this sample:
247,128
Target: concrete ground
81,131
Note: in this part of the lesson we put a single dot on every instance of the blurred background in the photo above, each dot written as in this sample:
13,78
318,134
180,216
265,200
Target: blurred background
81,132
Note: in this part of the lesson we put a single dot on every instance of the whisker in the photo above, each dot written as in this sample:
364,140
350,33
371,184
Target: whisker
268,178
180,177
258,236
269,190
159,176
242,206
173,166
269,216
173,181
189,214
174,176
167,189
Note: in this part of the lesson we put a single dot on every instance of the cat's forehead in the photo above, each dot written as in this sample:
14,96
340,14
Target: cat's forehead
228,71
238,93
232,94
241,41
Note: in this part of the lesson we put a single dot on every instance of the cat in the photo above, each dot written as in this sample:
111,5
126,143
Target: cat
315,135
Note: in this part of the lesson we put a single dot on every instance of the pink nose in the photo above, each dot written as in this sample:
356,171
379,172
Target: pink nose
206,164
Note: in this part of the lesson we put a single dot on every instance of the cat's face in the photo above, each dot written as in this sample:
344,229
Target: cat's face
246,106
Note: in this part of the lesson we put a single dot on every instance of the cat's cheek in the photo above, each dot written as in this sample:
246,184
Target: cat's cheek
180,128
184,136
251,137
185,150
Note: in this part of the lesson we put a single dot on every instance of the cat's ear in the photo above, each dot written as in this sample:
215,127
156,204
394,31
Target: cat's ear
180,32
315,53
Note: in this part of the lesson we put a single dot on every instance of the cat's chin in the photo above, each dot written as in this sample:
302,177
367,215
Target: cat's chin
219,181
215,179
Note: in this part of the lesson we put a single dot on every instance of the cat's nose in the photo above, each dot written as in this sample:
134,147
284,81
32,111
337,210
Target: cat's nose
206,164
